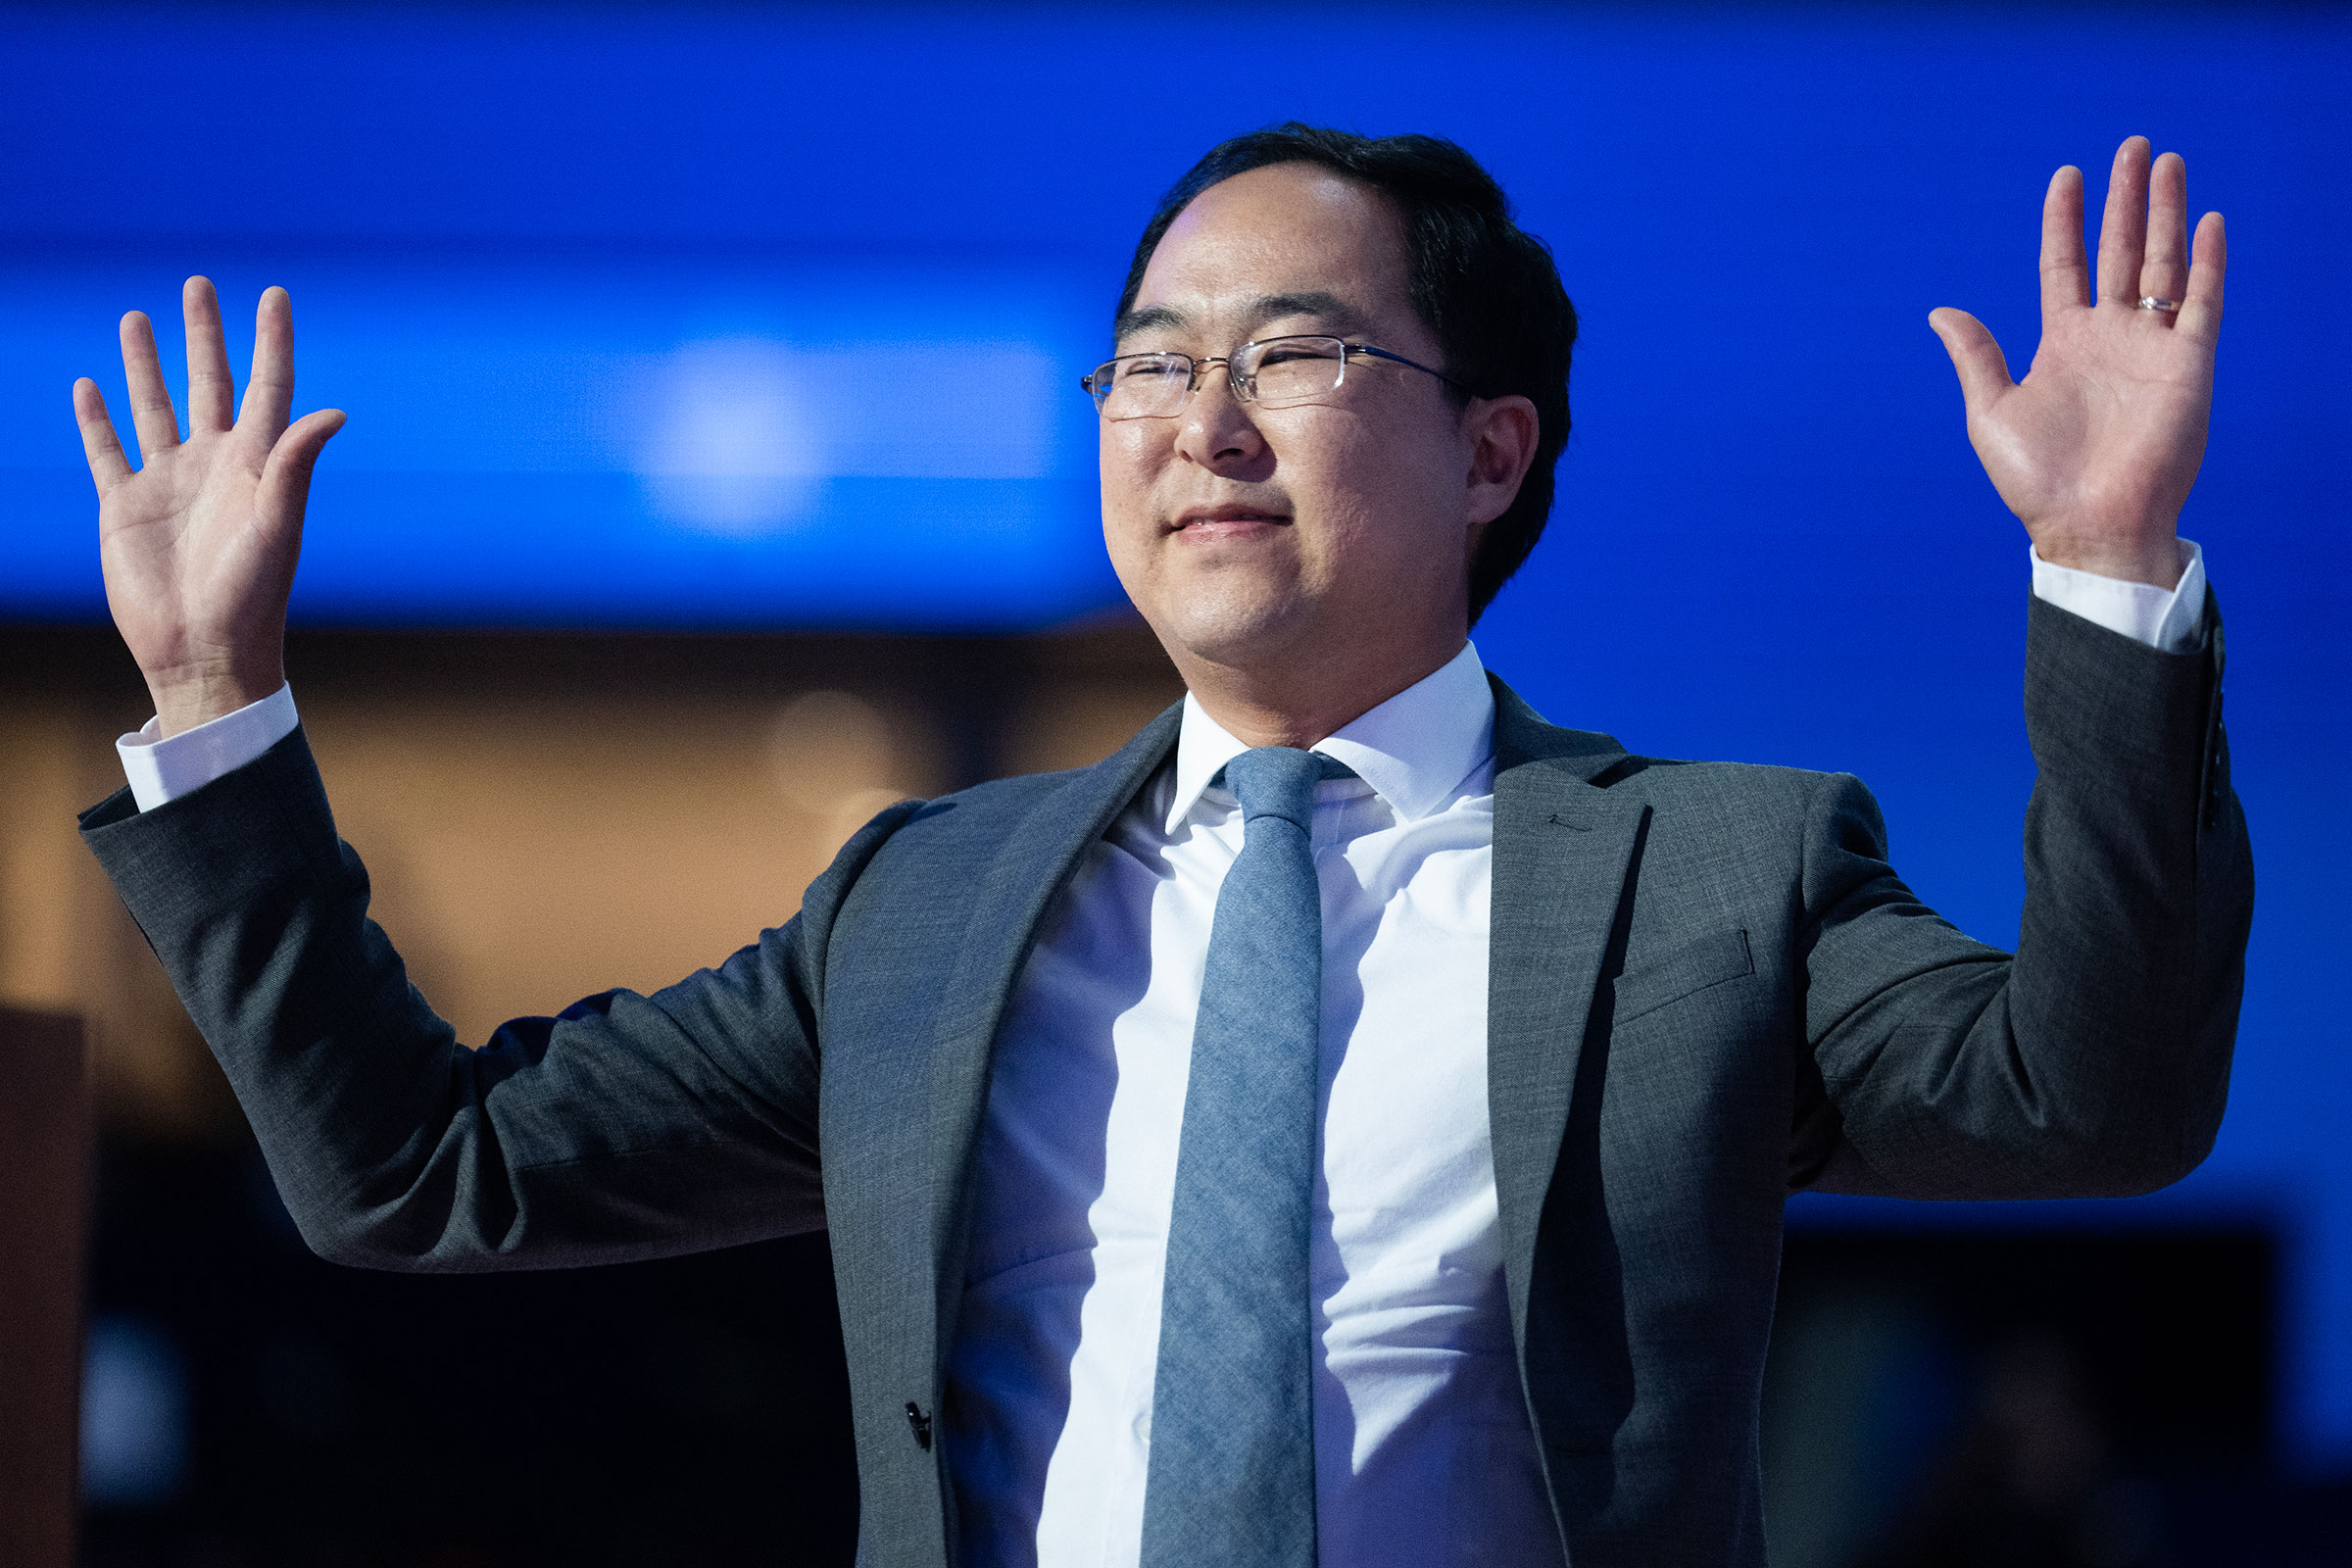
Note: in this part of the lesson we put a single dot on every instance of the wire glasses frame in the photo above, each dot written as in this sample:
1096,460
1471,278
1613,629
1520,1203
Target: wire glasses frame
1274,372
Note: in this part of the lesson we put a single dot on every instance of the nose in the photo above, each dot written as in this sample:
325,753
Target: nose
1215,430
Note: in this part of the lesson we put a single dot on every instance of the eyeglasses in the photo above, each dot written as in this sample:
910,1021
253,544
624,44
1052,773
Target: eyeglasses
1275,373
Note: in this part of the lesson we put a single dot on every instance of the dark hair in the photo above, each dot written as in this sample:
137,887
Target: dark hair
1484,286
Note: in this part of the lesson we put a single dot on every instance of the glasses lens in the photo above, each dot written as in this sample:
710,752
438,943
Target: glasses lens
1295,370
1142,387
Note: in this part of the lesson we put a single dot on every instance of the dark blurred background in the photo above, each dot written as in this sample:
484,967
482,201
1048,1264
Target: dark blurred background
641,576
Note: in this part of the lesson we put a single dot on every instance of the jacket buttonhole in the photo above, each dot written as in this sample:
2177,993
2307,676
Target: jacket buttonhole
919,1424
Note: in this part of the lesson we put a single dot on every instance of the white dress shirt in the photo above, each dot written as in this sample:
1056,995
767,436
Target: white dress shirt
1424,1454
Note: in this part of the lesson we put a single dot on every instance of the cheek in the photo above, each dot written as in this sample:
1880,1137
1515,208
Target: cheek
1129,460
1388,519
1131,456
1367,478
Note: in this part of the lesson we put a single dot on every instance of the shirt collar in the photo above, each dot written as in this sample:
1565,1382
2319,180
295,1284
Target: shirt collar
1415,750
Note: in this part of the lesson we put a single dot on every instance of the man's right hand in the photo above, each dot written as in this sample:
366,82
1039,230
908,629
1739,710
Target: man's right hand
199,544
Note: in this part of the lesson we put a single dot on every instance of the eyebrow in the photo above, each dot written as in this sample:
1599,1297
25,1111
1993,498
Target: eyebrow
1337,313
1149,316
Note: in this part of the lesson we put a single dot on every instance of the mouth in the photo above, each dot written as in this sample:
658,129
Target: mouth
1206,523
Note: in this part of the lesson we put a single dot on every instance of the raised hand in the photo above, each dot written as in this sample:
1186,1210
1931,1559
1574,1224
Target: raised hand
2096,448
199,543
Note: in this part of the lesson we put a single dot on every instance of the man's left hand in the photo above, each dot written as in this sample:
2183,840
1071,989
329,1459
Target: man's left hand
2096,448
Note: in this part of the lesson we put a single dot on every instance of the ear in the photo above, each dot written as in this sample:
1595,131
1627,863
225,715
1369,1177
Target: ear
1501,435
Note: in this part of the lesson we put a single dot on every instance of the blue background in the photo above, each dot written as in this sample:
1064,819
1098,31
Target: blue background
616,297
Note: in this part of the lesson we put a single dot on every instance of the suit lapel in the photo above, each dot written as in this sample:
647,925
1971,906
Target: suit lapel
1563,848
1032,865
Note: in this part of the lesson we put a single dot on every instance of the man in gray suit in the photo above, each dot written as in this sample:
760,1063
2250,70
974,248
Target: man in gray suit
1350,1123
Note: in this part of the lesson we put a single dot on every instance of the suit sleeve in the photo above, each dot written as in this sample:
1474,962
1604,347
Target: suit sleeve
2095,1060
630,1126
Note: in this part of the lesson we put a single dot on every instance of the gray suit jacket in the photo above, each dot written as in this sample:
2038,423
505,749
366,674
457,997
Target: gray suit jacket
1709,988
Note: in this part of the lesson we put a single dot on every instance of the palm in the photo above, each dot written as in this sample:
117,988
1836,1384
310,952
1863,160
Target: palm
198,545
2096,448
187,550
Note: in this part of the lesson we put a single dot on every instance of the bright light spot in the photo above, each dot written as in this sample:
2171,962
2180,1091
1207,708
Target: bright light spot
733,446
738,435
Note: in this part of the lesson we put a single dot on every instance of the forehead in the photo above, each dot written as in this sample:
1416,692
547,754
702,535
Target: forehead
1275,233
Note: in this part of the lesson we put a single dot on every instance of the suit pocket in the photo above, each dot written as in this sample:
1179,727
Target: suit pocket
1687,966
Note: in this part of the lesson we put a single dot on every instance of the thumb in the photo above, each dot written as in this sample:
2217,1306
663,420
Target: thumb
1983,372
285,484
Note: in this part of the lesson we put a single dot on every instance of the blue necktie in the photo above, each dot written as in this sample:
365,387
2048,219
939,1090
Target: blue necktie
1231,1477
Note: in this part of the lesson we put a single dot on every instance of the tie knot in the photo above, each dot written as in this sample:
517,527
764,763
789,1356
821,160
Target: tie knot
1280,781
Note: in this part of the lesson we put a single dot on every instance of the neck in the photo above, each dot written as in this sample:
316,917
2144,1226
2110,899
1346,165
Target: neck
1301,700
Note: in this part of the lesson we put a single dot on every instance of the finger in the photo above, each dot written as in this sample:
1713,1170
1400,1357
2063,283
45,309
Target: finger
151,411
285,486
212,397
270,390
2065,270
2163,274
2123,226
2201,298
1983,369
100,444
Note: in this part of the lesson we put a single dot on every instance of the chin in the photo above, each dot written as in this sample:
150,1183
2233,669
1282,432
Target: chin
1235,624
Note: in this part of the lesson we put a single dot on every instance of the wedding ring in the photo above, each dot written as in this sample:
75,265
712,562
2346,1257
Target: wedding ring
2149,302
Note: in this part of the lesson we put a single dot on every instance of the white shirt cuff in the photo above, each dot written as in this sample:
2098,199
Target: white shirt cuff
2166,619
160,770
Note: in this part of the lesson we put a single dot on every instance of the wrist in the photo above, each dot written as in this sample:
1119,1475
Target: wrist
186,697
2156,561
